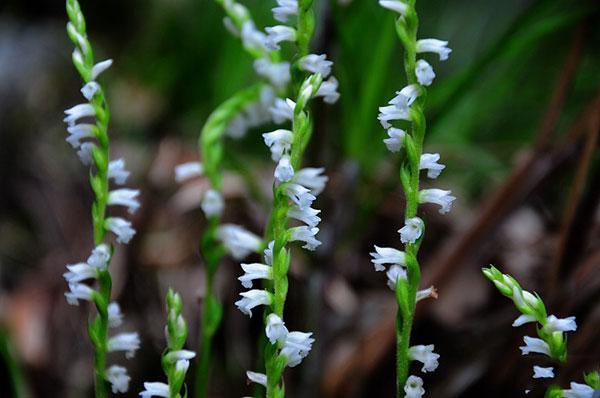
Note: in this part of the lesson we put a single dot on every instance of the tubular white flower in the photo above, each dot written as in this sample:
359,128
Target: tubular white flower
300,195
427,293
439,197
578,390
118,378
120,227
80,272
555,324
278,74
395,5
79,291
390,113
533,344
89,90
308,215
238,241
429,162
77,112
328,90
252,38
115,316
182,366
282,110
440,47
394,273
312,178
424,72
285,10
251,299
212,203
230,26
277,34
284,171
412,230
85,153
394,143
125,197
116,171
524,299
296,347
314,63
99,257
128,342
387,255
100,67
414,387
275,329
405,97
187,171
307,235
175,356
258,378
254,271
155,389
279,141
425,355
78,132
523,319
543,373
268,253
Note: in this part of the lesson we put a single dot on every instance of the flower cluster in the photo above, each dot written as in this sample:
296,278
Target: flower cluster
175,360
87,125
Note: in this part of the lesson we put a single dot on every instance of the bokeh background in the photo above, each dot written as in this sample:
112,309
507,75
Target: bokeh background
515,113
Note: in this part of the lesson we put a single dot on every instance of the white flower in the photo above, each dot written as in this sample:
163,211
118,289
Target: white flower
395,5
578,390
279,141
182,366
524,299
252,38
99,257
278,74
268,253
212,203
328,90
424,72
129,342
251,299
275,329
312,178
425,355
296,347
118,378
176,356
414,387
314,63
79,291
187,171
308,215
427,293
387,255
439,197
285,9
405,97
258,378
78,132
116,171
429,162
85,153
394,273
523,319
238,241
307,235
77,112
543,373
300,195
115,316
284,171
533,344
254,271
560,325
125,197
440,47
90,89
412,230
277,34
100,67
230,26
282,110
80,272
120,227
155,389
391,112
394,143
